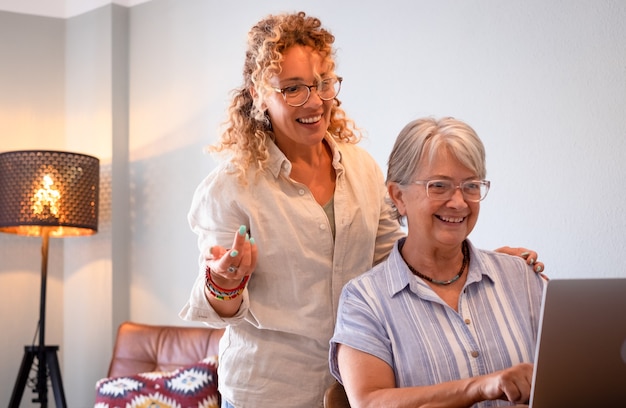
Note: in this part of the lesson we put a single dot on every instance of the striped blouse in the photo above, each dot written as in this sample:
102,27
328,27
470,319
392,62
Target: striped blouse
394,315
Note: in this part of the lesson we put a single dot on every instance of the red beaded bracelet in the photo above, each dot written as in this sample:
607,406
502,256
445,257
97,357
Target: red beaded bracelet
221,293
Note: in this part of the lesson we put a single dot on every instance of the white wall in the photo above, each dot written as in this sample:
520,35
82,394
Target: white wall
543,83
89,299
60,8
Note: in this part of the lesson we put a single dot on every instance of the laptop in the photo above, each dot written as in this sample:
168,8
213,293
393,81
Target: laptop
580,359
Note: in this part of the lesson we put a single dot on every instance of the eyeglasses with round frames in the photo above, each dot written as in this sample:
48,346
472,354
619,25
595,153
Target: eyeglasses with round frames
472,190
298,95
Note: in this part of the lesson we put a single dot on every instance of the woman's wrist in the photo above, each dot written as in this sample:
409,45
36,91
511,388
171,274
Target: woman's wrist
218,292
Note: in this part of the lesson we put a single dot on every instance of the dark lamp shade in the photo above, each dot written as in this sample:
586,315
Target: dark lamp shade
52,191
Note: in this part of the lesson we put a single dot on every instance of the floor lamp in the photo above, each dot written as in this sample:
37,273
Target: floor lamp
47,194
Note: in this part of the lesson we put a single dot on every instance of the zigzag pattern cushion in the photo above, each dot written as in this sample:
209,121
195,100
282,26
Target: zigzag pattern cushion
192,386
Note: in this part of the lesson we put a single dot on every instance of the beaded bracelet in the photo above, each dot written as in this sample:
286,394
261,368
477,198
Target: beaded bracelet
221,293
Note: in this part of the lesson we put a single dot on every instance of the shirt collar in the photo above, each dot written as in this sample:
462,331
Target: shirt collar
400,277
280,163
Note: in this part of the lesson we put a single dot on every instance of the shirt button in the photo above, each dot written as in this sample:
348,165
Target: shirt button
467,321
475,354
301,192
322,227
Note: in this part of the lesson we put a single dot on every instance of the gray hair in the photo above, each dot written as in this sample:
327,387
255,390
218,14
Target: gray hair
421,139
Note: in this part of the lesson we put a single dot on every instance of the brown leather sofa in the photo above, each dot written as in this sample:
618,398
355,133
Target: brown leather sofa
157,365
141,348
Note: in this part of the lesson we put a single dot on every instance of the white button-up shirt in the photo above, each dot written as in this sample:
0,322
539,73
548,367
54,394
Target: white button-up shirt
275,351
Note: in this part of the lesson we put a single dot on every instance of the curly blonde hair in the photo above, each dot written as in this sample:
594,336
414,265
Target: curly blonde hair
248,128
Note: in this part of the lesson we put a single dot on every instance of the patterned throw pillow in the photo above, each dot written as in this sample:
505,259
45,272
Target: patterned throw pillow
192,386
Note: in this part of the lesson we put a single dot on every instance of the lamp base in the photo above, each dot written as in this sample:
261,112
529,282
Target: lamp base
52,362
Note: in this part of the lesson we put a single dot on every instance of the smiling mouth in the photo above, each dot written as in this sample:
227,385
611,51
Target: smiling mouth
308,121
454,220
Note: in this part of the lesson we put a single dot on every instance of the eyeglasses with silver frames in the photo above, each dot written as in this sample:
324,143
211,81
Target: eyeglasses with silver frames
299,94
472,190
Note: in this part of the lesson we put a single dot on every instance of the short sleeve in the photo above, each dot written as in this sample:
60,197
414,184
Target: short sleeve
358,326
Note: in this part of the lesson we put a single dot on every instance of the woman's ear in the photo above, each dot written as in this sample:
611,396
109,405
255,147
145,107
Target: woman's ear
396,193
255,94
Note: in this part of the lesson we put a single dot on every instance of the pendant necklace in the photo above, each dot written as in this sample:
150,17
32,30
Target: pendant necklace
466,258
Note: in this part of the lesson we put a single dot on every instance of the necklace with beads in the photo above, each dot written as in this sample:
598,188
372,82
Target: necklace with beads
466,259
